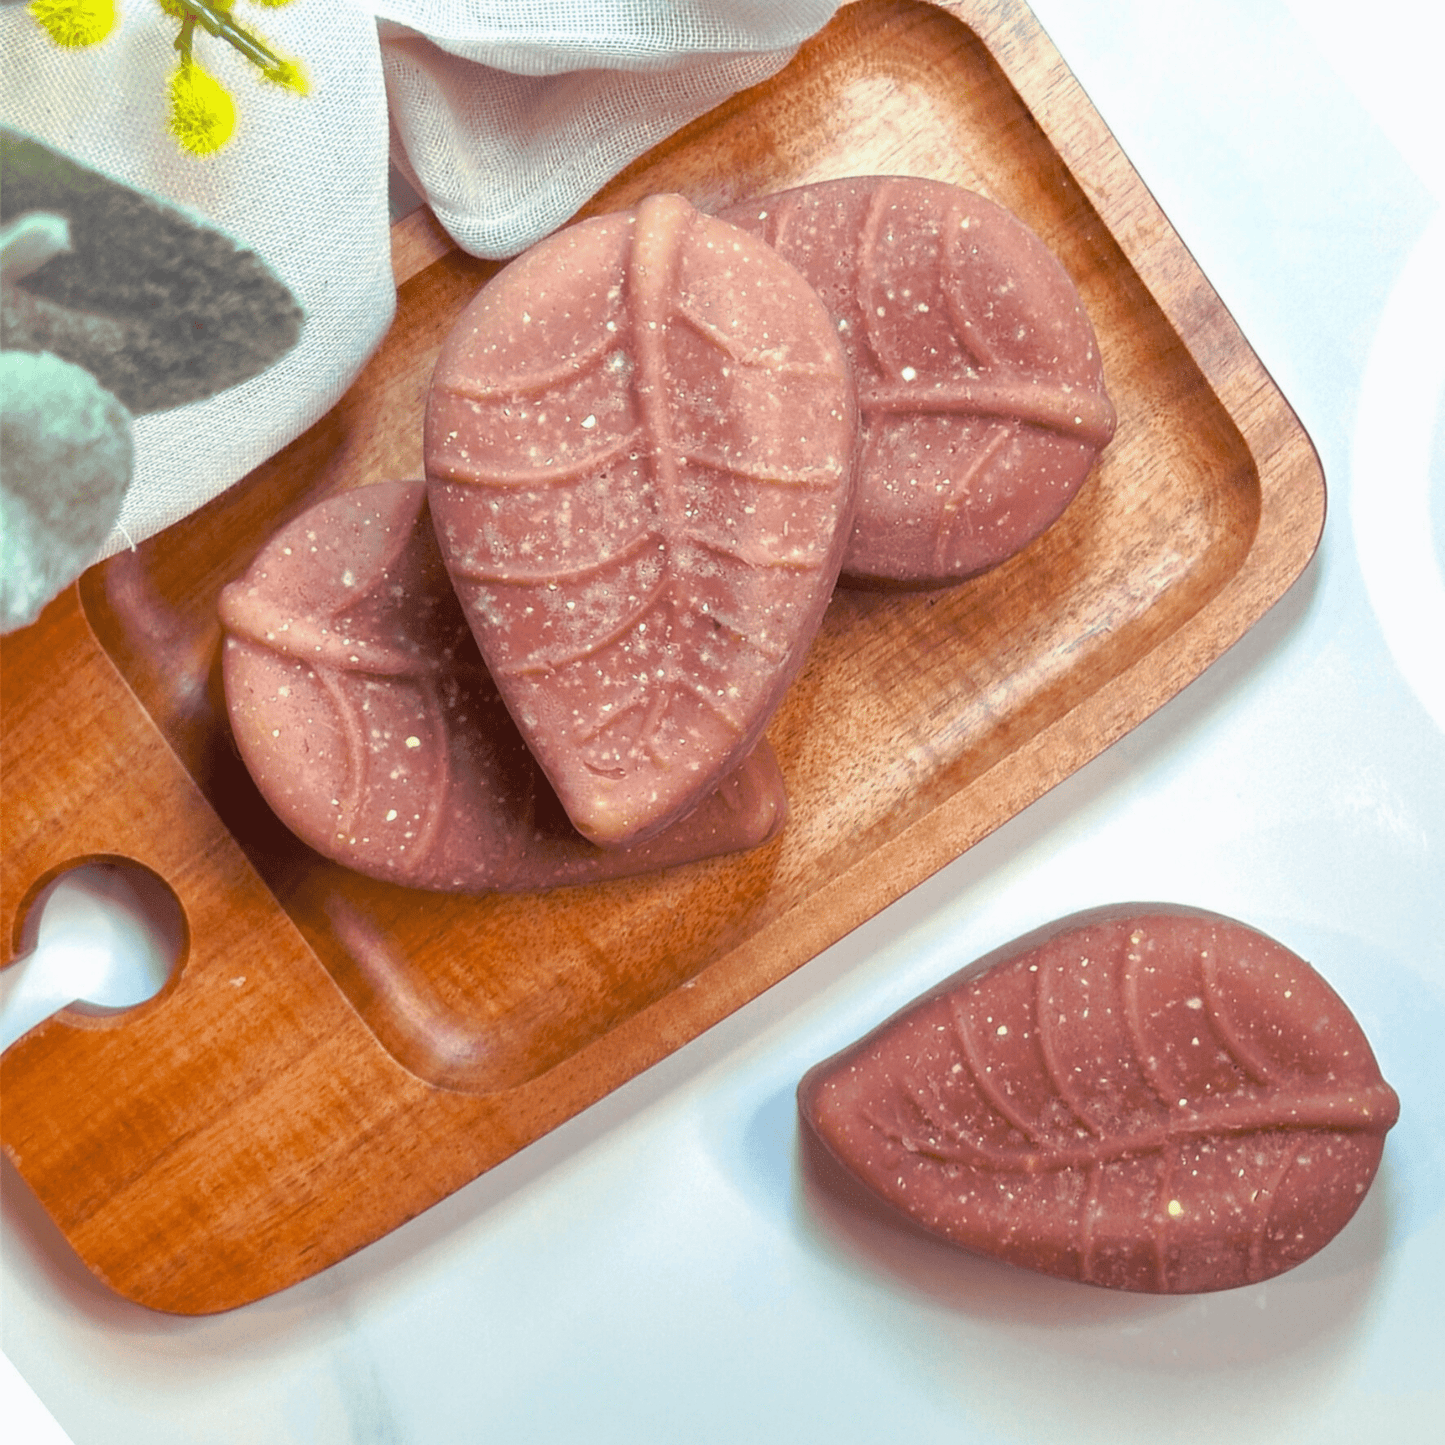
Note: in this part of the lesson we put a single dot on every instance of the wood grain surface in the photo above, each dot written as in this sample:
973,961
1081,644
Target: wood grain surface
333,1055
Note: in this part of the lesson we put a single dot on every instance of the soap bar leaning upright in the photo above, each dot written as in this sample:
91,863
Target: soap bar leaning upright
639,447
367,719
978,370
1144,1097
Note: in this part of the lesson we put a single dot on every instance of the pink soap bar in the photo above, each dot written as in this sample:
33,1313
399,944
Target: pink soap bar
1144,1097
365,715
978,373
639,445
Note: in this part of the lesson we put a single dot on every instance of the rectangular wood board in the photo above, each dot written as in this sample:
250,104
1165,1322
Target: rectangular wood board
334,1055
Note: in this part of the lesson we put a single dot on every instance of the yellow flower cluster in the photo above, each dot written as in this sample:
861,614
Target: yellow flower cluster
202,114
74,23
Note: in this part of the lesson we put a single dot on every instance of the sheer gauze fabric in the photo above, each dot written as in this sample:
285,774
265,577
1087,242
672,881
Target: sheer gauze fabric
504,114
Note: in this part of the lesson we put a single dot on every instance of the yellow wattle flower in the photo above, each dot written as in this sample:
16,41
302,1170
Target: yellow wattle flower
203,115
74,23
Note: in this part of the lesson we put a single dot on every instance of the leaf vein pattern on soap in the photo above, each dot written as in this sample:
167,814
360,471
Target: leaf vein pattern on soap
1050,1019
318,643
532,383
1168,1163
1247,1059
809,478
971,336
951,1131
754,358
955,515
1129,984
549,661
354,744
796,561
557,576
1269,1192
552,474
983,1078
358,788
990,386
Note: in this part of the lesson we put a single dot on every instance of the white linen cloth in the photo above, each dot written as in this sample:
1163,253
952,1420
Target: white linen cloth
510,115
505,114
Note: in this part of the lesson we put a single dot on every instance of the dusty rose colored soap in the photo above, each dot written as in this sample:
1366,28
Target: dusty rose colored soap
1146,1097
365,714
639,445
978,372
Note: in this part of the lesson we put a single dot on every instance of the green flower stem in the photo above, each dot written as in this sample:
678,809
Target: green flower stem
215,20
185,39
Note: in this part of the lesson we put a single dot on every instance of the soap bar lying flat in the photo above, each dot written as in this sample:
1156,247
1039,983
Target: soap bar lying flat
1144,1097
639,445
978,373
366,717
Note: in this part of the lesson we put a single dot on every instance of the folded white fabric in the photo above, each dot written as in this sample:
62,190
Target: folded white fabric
303,183
507,114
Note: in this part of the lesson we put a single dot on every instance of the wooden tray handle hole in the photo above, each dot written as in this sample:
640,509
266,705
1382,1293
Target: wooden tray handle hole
97,938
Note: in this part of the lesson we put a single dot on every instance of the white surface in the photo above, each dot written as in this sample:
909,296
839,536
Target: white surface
105,935
656,1271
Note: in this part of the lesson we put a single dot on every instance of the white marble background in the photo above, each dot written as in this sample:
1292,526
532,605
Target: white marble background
652,1271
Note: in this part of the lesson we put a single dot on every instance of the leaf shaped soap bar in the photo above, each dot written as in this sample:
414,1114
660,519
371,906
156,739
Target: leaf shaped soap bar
1144,1097
365,715
978,373
639,445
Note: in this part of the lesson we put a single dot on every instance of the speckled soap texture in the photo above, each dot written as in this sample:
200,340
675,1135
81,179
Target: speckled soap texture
1148,1098
639,447
979,378
364,713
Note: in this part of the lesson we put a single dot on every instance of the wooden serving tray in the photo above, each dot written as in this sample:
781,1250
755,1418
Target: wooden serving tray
333,1055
